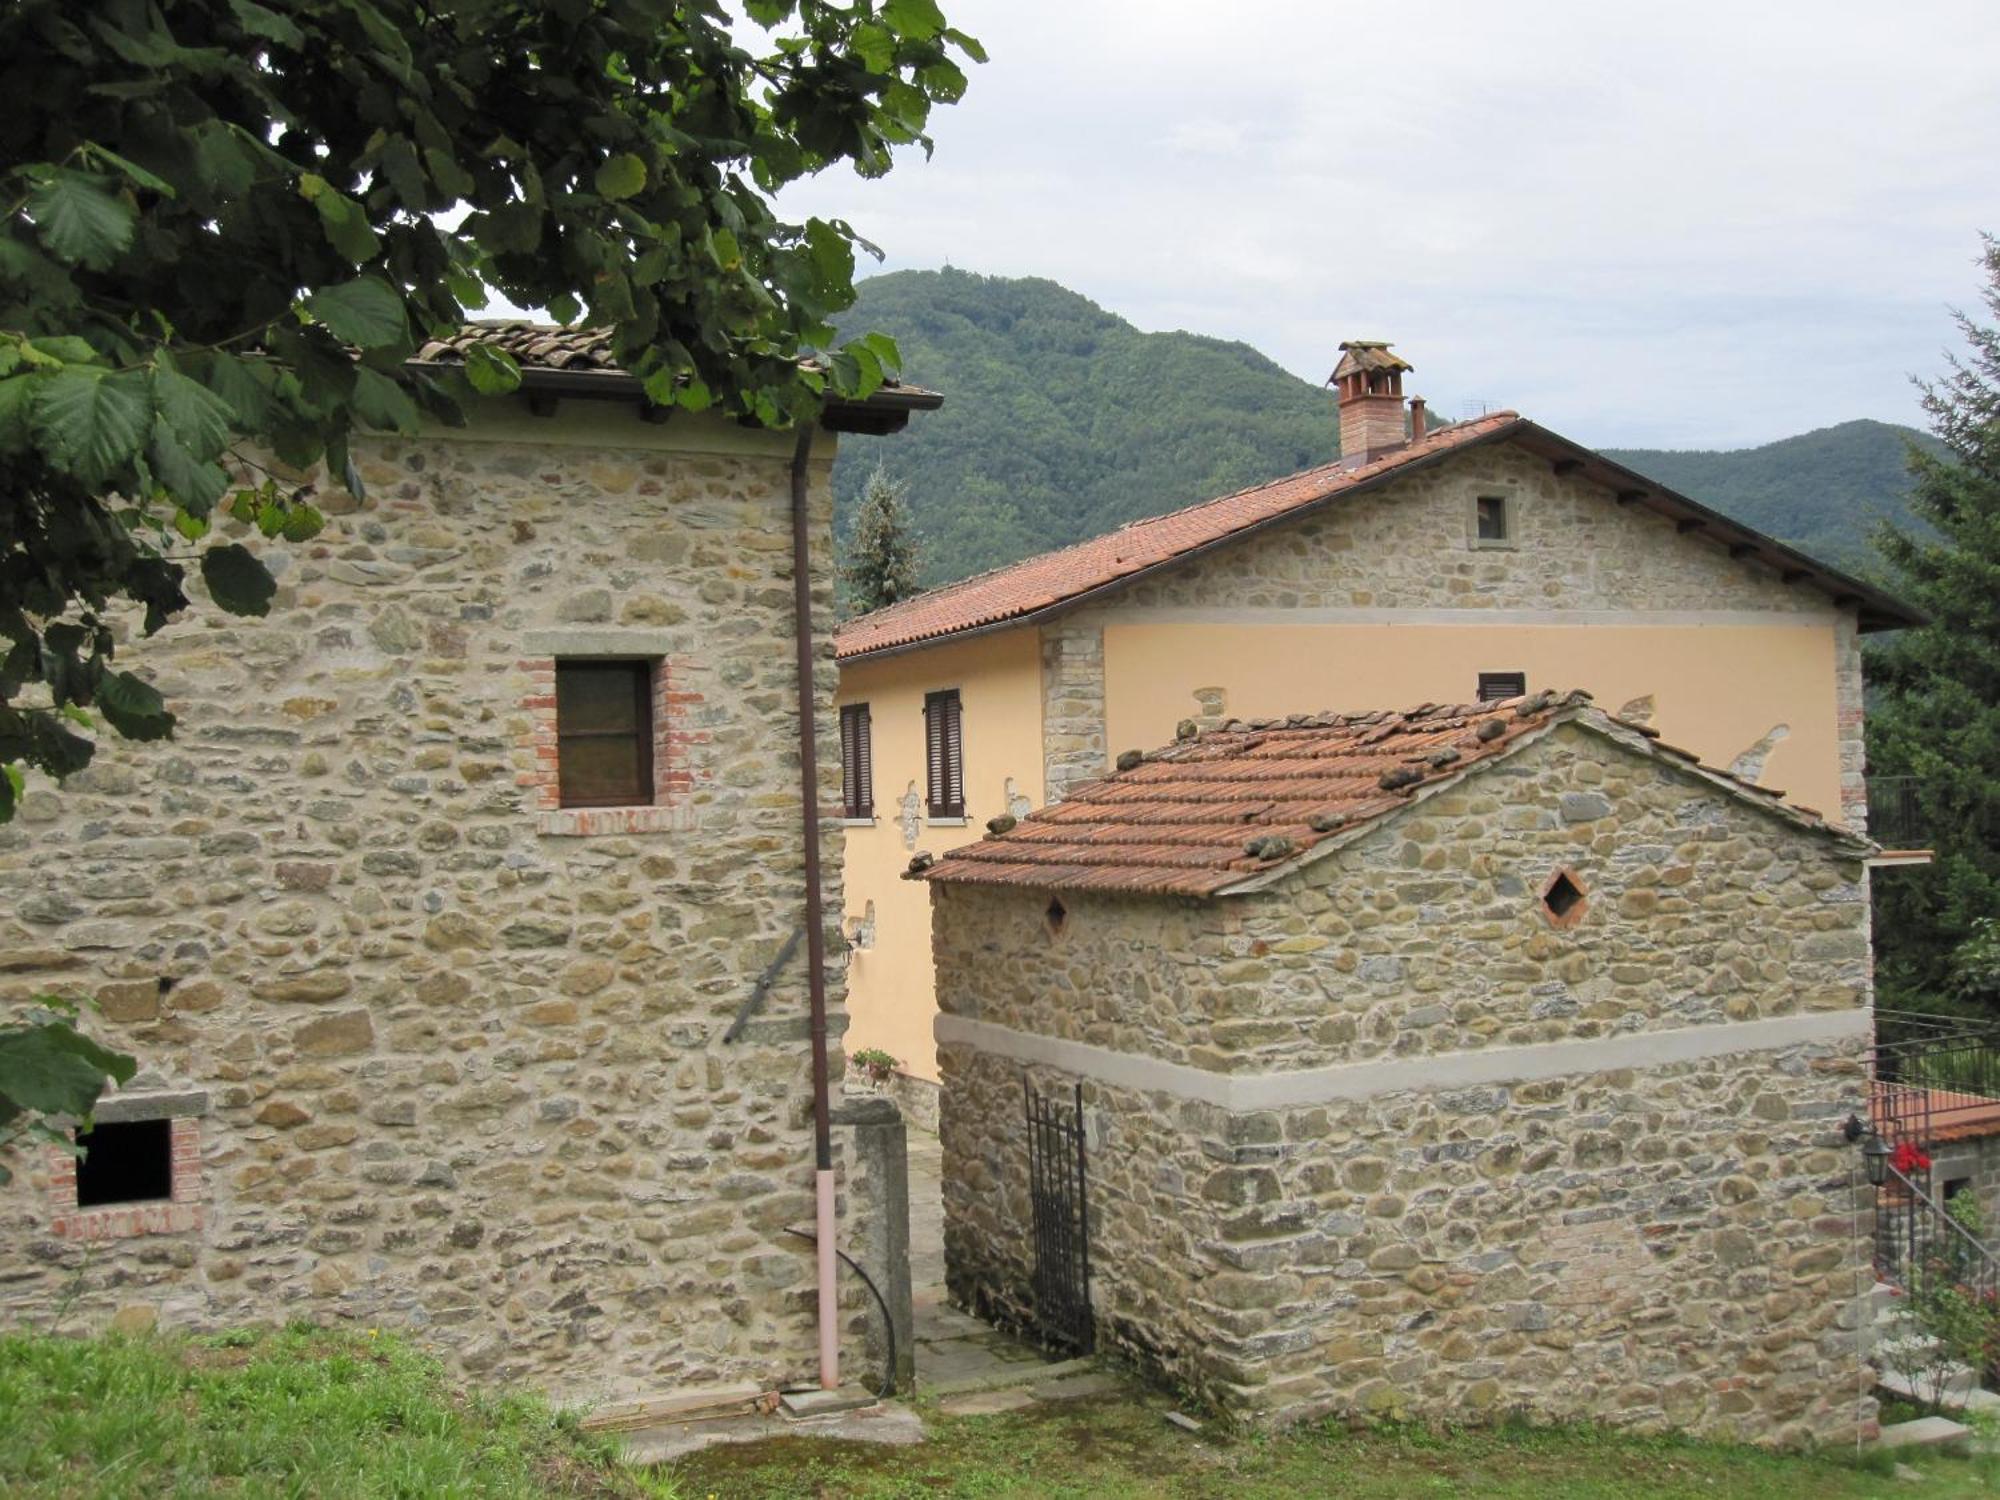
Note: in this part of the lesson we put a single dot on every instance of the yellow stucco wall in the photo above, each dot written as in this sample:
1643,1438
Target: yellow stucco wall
1716,688
889,987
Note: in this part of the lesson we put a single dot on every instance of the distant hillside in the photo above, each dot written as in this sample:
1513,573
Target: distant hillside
1823,491
1062,420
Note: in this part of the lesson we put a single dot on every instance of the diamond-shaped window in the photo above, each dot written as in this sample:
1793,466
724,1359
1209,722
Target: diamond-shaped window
1564,899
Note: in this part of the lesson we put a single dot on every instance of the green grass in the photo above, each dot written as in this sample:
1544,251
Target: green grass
304,1412
1121,1448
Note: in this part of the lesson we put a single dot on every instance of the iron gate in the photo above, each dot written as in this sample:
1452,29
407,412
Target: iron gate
1062,1222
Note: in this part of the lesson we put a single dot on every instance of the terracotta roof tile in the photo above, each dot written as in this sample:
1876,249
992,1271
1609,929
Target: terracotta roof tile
1225,806
1053,578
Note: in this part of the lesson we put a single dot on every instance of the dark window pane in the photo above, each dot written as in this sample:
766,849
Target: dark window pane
601,773
598,697
1492,512
604,733
127,1162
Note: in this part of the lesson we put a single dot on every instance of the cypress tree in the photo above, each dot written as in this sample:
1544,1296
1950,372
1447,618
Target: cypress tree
883,554
1937,715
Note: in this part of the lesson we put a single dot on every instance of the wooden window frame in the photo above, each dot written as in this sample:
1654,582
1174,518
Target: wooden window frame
1507,520
857,763
642,670
1493,695
944,754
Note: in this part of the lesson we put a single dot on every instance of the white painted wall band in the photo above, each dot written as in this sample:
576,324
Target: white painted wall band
1395,1075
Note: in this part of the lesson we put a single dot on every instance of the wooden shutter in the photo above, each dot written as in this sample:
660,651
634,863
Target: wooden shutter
857,762
1494,686
944,754
604,733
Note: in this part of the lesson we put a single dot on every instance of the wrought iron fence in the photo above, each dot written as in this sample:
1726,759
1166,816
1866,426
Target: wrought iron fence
1061,1223
1917,1241
1932,1074
1895,815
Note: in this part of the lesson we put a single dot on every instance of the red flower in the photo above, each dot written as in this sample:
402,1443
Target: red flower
1910,1158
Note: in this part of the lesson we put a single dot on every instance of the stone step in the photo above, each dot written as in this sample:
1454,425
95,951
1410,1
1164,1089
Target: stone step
1025,1373
1924,1432
1962,1396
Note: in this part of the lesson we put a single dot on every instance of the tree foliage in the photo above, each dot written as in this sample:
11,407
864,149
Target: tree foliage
228,223
50,1072
1937,717
882,555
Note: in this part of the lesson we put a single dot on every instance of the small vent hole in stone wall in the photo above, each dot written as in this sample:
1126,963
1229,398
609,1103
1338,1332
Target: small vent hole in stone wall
1056,916
1562,897
131,1161
1956,1186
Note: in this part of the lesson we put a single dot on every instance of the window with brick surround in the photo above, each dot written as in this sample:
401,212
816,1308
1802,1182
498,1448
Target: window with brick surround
604,733
944,754
130,1161
857,762
1495,686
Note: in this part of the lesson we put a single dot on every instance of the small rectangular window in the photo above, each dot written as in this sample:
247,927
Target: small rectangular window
604,733
130,1161
1490,518
944,754
1494,686
857,762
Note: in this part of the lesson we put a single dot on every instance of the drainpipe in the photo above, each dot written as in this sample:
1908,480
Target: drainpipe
802,641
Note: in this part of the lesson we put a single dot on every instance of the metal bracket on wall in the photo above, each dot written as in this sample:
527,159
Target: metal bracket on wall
763,985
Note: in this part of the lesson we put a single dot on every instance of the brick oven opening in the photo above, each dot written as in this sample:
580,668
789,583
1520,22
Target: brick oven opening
130,1161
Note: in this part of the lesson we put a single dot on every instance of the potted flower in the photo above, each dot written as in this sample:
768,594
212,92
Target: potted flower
876,1064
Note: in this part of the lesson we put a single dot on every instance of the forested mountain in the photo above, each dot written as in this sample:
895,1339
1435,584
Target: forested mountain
1062,420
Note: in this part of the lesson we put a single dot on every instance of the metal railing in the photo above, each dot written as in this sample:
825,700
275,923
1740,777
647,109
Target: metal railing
1934,1073
1896,817
1917,1239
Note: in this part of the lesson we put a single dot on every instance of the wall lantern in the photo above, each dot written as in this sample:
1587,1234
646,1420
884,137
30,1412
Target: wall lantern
1875,1156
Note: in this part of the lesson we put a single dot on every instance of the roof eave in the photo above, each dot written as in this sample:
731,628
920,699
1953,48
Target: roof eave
1875,608
1126,580
884,411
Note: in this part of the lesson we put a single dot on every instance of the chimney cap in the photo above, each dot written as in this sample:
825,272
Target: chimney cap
1358,355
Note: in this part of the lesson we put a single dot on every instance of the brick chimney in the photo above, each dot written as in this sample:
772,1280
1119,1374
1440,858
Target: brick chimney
1370,382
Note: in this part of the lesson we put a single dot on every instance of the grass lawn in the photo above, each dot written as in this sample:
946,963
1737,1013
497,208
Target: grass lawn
1121,1448
304,1412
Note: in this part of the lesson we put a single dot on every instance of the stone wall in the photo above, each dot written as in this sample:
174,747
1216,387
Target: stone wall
1498,1165
462,1054
1669,1247
1073,743
1407,546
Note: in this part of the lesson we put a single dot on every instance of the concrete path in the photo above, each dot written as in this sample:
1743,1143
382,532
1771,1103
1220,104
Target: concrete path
954,1352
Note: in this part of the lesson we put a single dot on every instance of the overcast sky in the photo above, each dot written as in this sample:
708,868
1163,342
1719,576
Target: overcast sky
1683,225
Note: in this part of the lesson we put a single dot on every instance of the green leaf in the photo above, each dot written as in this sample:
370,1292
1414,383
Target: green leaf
191,527
195,415
968,45
345,221
93,423
134,707
491,369
80,220
621,176
366,312
875,46
131,171
17,396
918,20
565,308
382,403
302,523
236,580
273,27
53,1069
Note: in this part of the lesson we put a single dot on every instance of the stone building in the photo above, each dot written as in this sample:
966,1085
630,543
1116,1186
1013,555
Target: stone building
1458,1062
1487,558
456,930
